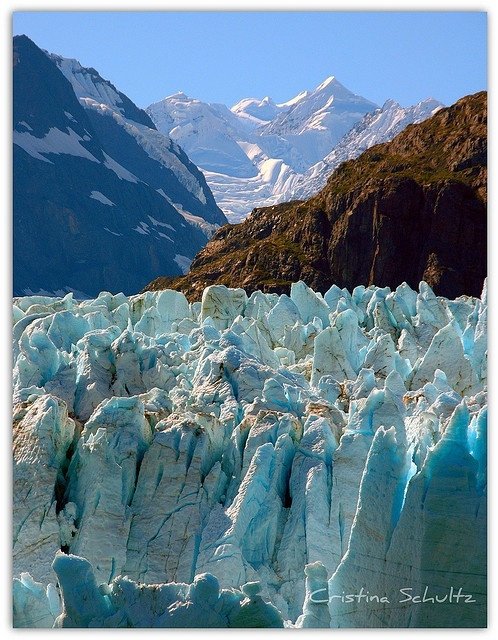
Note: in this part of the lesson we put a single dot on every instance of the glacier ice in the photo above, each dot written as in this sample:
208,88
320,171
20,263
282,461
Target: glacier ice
124,603
315,609
220,463
43,435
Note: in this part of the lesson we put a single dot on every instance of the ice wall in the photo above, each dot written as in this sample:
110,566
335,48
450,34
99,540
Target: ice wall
247,438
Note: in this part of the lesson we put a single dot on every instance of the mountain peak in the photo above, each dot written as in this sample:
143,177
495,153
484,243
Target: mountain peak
178,95
328,81
87,83
103,183
283,146
431,101
390,104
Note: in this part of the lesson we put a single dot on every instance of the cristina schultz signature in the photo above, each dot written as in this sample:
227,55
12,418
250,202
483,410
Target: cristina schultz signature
406,594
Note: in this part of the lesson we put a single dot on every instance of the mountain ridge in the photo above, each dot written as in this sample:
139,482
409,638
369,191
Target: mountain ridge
116,199
246,156
430,181
376,127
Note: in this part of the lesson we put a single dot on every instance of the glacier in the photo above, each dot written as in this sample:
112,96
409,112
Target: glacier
298,461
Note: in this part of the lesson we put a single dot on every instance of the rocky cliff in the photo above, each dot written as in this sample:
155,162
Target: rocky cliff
409,210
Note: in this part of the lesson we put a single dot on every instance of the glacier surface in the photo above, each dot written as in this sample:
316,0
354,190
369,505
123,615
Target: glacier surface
263,461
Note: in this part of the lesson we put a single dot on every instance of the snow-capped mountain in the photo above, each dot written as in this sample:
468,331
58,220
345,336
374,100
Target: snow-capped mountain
252,153
258,112
116,200
227,149
374,128
316,121
260,153
208,132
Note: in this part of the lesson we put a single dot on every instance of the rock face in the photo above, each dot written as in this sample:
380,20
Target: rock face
409,210
247,460
94,181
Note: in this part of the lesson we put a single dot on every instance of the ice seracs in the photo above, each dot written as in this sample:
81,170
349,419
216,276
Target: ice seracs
217,463
43,434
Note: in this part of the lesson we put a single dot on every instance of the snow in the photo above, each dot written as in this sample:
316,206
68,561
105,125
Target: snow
323,85
87,84
377,127
120,171
163,235
97,195
300,96
54,141
183,262
218,463
136,152
97,94
207,227
141,230
317,122
157,223
157,146
257,112
208,133
114,233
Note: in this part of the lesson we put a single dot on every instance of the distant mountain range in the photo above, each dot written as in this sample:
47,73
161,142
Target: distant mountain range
106,197
260,153
407,210
102,200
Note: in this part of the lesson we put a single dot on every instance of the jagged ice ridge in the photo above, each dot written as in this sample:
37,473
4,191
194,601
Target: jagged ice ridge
219,463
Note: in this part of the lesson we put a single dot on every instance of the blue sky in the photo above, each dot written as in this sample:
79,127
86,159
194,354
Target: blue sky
225,56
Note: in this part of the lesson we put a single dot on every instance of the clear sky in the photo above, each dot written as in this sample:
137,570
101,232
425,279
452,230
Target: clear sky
226,56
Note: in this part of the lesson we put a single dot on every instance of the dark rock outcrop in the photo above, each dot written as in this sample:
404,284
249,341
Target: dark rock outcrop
409,210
